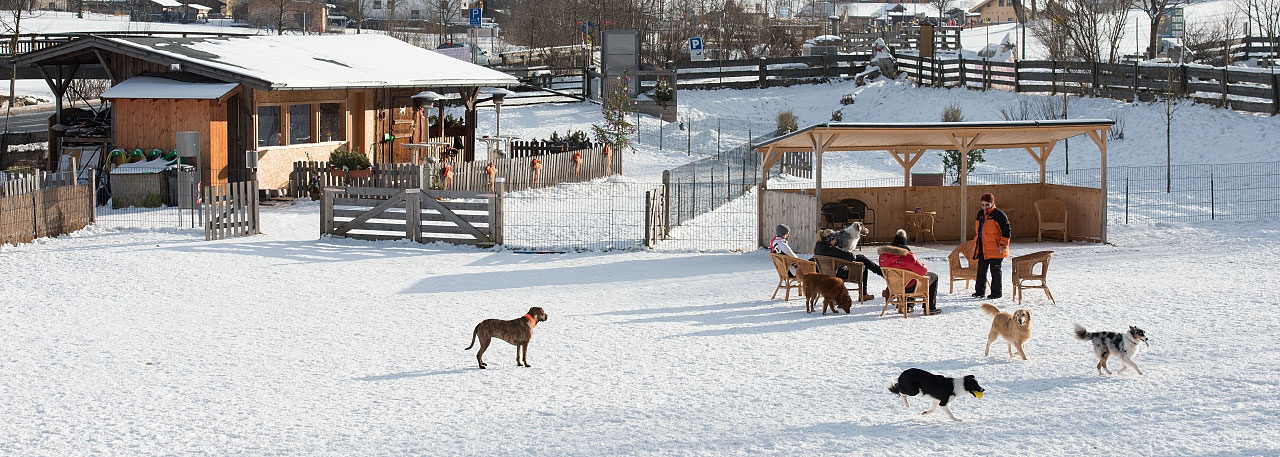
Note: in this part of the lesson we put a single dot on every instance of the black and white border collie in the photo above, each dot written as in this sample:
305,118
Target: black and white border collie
941,389
1122,345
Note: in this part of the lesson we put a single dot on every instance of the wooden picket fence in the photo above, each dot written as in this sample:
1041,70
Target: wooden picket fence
230,210
42,205
520,174
385,175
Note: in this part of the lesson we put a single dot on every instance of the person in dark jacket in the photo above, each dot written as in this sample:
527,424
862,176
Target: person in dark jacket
991,244
898,255
828,244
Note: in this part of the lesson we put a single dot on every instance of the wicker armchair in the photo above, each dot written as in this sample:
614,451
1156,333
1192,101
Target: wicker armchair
829,265
897,280
1052,216
782,263
1024,272
961,255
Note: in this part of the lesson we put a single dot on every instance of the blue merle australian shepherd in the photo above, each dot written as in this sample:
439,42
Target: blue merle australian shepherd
1122,345
940,389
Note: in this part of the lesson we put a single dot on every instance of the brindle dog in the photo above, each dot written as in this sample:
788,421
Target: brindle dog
515,331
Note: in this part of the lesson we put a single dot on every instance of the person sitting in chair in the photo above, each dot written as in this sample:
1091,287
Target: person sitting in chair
898,255
828,244
778,245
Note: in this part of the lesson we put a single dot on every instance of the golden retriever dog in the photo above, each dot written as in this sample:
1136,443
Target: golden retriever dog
516,331
829,288
1014,328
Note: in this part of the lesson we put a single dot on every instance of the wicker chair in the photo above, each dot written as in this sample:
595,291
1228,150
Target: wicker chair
829,265
897,280
1052,216
959,256
1024,272
782,263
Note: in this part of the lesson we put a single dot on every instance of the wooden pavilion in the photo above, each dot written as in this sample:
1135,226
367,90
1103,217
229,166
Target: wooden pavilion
287,98
907,142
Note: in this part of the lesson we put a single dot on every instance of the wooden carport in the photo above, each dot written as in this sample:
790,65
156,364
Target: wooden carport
907,142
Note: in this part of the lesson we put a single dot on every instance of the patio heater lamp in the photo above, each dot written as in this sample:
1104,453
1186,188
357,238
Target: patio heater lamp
498,95
433,97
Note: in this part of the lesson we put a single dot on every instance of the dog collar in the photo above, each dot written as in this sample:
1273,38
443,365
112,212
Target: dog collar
532,321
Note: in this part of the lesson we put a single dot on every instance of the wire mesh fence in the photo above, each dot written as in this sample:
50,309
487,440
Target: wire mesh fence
150,198
575,216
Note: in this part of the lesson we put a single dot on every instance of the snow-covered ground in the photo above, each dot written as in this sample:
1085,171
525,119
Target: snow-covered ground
158,343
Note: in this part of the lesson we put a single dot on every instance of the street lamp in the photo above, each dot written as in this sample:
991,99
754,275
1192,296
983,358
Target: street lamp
433,97
498,95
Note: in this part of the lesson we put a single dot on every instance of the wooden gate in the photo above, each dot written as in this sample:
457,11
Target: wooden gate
371,213
230,210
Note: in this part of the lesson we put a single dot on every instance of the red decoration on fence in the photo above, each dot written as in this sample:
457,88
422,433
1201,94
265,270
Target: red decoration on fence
492,170
536,165
447,174
608,160
577,162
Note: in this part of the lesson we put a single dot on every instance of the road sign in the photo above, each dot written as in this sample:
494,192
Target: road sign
475,17
1171,23
696,52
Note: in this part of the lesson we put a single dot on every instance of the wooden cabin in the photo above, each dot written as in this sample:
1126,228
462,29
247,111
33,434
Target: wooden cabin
287,98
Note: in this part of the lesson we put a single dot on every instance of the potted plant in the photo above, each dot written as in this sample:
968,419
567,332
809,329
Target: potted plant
663,93
313,189
345,163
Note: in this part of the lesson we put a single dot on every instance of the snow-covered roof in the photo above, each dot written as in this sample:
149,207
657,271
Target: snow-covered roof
167,3
153,87
199,7
322,62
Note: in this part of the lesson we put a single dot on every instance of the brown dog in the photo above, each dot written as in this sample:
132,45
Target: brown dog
830,288
1014,328
515,331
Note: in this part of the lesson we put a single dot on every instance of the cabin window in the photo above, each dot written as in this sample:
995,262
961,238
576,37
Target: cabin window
268,126
377,4
331,117
415,14
300,124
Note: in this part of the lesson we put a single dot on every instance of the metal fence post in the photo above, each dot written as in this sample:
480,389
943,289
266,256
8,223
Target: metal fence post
666,203
648,217
1213,210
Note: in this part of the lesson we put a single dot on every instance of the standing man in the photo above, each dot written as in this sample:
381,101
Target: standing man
991,244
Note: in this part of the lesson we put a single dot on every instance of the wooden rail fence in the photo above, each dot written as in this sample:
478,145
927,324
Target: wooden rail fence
1238,89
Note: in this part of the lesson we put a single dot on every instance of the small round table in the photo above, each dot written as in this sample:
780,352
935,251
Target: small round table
919,222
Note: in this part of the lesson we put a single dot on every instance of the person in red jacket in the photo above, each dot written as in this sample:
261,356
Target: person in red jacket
991,244
898,255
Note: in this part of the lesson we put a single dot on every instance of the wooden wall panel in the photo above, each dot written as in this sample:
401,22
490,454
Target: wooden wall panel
797,212
1084,210
1018,201
149,124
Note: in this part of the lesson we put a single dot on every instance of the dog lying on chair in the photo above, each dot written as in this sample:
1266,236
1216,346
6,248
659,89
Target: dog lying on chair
849,237
829,288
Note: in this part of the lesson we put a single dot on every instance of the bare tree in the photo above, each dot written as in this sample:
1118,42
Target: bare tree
1266,15
1172,103
358,10
1155,10
1211,40
1092,28
942,6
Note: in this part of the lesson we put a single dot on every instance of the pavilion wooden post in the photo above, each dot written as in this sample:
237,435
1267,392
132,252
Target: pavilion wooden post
964,144
907,158
1042,157
770,157
819,143
469,96
1101,140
